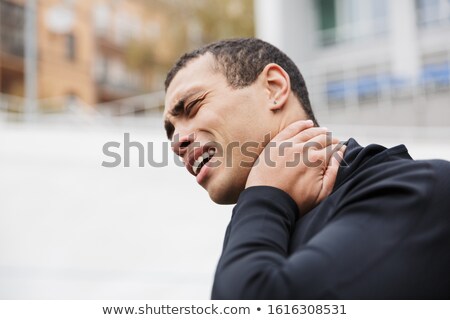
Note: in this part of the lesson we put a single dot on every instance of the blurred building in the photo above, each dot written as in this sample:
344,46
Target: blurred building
90,52
12,19
367,61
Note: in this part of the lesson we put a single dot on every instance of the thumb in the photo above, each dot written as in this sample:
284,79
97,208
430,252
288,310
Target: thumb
293,129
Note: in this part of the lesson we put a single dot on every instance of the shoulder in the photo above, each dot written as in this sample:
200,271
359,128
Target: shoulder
418,176
397,187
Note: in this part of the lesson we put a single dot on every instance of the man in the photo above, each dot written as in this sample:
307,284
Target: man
376,226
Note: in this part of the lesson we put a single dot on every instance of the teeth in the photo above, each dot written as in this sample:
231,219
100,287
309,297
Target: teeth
198,162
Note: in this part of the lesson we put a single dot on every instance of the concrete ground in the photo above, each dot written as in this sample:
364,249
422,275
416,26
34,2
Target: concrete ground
73,229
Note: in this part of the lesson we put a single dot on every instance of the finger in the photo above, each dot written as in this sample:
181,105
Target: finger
329,177
337,153
321,156
308,134
321,141
316,156
332,152
293,129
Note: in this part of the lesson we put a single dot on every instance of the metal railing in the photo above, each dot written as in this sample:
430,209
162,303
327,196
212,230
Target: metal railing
12,108
351,86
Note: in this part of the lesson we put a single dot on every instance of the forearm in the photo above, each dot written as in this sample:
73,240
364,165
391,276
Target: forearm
253,263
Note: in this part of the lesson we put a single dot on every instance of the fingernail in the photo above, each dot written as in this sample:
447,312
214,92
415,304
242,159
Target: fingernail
309,122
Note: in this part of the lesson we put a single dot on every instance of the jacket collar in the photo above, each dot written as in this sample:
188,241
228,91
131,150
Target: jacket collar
357,157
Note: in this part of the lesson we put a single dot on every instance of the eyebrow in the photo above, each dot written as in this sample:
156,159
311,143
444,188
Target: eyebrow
178,108
176,111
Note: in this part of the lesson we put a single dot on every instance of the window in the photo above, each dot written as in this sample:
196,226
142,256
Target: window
337,88
102,17
368,85
427,11
12,21
70,47
123,28
100,70
432,12
348,20
327,21
435,74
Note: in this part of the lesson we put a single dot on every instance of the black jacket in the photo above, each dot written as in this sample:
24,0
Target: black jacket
383,233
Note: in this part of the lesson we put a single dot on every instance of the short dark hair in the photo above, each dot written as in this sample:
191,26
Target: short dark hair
242,60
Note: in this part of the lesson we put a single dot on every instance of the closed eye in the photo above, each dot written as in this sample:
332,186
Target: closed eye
191,106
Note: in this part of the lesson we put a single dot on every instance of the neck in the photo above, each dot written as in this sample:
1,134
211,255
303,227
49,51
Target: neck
291,112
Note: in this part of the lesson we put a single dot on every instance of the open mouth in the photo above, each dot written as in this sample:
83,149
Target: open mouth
202,160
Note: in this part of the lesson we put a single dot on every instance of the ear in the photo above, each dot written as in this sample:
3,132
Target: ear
277,84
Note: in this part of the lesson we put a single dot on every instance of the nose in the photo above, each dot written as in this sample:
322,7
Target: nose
181,143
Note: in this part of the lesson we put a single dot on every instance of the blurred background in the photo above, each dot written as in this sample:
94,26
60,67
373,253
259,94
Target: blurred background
76,74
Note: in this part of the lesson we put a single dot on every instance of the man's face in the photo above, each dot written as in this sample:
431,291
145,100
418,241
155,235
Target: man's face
202,109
